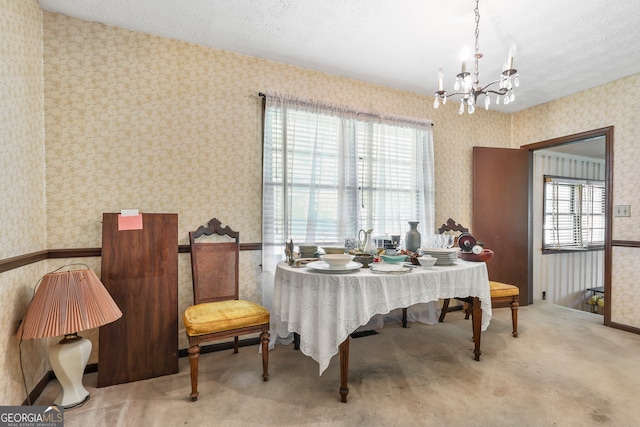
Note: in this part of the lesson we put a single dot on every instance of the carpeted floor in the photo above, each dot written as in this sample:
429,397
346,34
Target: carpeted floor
565,369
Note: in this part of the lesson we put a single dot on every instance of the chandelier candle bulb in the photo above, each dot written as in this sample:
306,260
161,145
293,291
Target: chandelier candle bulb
512,53
440,82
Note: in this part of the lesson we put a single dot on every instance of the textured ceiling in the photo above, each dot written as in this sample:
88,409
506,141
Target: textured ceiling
564,46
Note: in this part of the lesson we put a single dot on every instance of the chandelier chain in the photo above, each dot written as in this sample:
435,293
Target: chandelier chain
476,72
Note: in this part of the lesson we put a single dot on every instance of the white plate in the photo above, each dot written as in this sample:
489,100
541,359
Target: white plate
402,269
302,262
383,267
440,250
444,256
386,266
323,267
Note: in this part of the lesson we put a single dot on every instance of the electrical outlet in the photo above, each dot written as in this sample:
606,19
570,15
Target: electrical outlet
622,210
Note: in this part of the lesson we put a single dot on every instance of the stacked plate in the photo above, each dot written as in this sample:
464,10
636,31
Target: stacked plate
308,251
323,267
444,256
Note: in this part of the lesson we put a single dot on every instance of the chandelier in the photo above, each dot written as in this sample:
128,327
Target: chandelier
469,88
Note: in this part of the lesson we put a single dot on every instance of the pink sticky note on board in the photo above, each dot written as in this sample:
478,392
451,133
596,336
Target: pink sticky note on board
133,222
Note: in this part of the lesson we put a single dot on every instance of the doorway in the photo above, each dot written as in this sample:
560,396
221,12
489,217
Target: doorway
592,269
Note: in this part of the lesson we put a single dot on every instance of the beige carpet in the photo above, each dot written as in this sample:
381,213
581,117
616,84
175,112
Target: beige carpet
565,369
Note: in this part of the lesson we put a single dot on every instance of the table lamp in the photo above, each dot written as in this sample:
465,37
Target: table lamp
66,303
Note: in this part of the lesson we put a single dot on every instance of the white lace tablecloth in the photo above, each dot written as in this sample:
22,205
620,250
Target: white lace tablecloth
325,308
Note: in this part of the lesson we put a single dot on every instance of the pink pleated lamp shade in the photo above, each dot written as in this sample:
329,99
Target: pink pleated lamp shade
68,302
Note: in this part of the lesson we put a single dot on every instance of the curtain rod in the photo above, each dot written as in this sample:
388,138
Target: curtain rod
263,96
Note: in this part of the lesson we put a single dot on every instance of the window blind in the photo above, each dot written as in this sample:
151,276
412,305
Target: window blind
574,213
329,171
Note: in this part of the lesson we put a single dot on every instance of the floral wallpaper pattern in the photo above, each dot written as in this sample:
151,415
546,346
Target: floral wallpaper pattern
22,188
21,134
139,121
132,120
625,308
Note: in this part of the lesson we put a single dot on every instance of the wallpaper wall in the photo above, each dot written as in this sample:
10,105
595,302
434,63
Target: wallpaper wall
139,121
21,134
22,189
594,109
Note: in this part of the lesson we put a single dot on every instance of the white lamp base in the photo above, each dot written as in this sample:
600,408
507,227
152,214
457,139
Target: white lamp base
68,359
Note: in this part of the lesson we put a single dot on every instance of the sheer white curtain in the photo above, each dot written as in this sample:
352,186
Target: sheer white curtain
396,174
310,187
329,171
397,177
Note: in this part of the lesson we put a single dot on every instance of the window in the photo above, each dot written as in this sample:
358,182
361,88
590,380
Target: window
392,177
310,185
329,171
574,214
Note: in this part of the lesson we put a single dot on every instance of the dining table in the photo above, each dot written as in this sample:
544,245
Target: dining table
324,307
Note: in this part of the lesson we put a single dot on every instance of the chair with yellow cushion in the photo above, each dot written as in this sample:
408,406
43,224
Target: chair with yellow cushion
503,292
500,292
217,312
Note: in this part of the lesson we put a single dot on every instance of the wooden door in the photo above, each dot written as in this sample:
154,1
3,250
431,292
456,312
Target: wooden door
500,213
140,271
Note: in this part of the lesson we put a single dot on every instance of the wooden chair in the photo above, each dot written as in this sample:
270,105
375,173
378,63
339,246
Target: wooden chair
217,312
452,228
500,292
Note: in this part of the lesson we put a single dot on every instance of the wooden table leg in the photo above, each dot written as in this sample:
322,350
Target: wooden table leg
477,326
296,341
344,370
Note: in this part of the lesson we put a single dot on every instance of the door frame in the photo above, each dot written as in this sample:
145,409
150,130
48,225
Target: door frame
607,133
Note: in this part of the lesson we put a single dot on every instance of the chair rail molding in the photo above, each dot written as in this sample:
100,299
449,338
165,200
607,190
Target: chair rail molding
26,259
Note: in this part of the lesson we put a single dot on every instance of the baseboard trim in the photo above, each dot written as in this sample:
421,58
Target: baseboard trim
625,328
38,389
93,367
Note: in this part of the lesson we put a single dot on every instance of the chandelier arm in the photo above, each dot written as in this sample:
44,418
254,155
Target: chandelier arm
502,91
449,95
490,84
497,92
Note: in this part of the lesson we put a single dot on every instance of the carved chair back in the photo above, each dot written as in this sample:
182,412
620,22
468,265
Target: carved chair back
450,227
214,264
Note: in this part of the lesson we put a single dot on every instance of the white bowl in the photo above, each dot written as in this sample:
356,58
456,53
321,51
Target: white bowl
427,261
333,250
337,261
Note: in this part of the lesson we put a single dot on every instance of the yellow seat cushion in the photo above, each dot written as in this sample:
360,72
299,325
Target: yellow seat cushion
211,317
499,289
